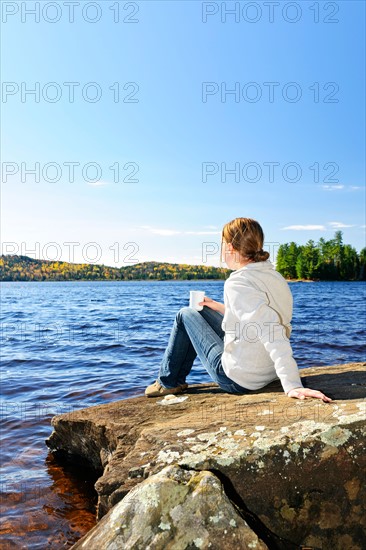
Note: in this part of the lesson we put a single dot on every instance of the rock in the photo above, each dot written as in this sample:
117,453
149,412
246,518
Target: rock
295,469
173,509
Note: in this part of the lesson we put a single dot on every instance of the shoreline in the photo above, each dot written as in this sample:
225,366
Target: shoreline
174,281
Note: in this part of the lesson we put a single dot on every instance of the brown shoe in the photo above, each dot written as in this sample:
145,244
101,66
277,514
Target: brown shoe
156,390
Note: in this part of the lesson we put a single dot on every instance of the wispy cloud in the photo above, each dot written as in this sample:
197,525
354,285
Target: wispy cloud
304,228
202,232
332,187
170,232
339,225
339,187
162,232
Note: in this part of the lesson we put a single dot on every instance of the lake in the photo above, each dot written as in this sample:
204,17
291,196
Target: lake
68,345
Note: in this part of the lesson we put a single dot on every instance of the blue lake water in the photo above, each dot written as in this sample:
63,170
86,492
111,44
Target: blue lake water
68,345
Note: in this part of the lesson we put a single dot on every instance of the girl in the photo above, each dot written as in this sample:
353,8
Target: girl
244,342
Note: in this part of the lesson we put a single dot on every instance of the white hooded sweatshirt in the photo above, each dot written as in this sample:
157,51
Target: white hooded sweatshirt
257,324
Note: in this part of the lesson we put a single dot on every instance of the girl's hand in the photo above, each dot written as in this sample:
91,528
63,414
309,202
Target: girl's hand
304,393
212,304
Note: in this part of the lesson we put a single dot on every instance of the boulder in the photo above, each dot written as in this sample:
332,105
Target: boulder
173,509
294,468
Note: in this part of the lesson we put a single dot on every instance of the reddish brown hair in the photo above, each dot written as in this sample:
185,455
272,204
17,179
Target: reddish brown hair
247,238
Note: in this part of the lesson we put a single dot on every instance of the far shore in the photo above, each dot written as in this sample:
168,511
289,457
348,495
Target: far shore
303,280
170,281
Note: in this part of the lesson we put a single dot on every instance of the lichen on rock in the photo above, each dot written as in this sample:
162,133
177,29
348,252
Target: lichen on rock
173,509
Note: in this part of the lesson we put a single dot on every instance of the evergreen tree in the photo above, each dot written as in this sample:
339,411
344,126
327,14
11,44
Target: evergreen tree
362,272
338,253
301,266
286,260
281,260
350,263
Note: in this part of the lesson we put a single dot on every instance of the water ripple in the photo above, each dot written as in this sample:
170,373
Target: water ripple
64,349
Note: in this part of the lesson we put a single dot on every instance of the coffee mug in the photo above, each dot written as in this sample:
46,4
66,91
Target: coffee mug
196,296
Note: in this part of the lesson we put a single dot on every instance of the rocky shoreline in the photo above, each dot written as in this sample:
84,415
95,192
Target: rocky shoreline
221,471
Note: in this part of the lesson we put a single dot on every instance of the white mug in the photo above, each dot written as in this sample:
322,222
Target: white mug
196,296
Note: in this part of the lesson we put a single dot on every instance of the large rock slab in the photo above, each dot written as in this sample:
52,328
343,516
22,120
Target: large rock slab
295,469
173,509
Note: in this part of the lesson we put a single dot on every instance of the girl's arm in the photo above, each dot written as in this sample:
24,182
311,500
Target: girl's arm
212,304
251,309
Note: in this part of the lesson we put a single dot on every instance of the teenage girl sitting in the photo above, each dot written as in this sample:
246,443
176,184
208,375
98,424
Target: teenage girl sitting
244,342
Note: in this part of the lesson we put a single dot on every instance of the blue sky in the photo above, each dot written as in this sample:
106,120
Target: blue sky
174,132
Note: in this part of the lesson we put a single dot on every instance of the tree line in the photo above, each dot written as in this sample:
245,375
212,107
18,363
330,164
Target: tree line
325,260
23,268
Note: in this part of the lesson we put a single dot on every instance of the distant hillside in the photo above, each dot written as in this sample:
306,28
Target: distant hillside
23,268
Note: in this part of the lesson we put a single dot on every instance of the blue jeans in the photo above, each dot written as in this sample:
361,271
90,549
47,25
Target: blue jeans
196,333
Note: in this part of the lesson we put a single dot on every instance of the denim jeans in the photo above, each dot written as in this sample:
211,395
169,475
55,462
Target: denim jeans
196,333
